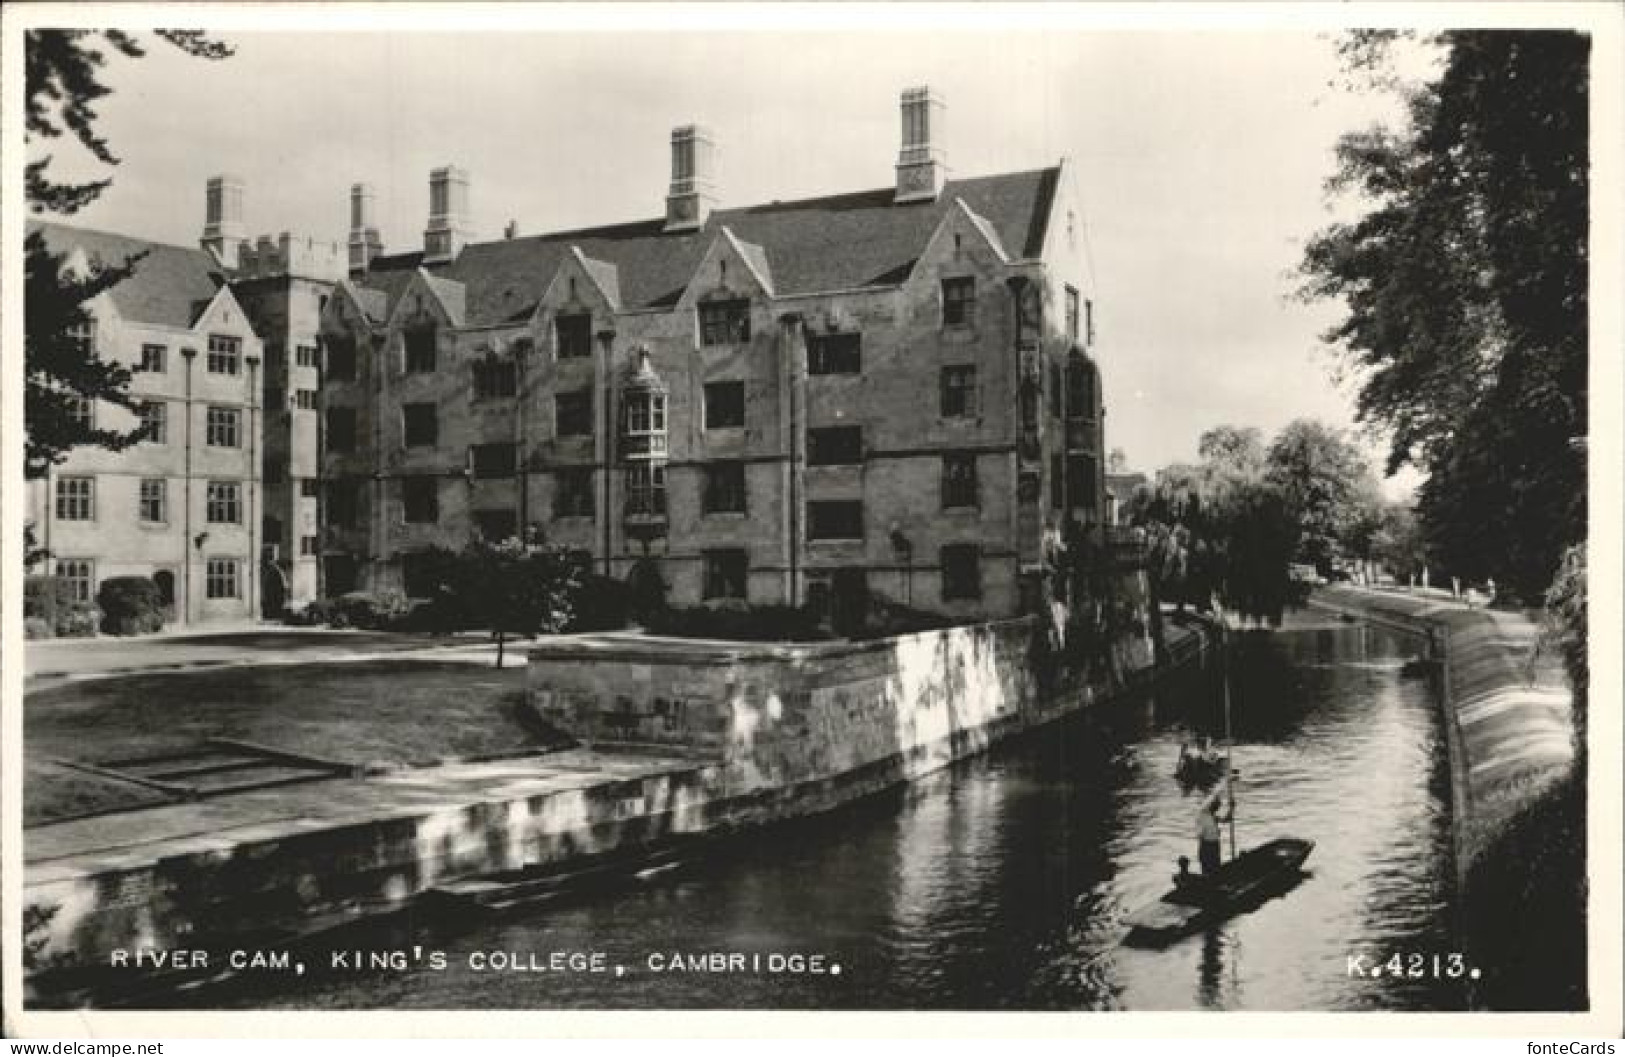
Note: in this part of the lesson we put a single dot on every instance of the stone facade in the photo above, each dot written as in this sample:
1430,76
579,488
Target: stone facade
868,394
182,506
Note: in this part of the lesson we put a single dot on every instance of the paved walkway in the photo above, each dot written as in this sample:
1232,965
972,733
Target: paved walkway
106,657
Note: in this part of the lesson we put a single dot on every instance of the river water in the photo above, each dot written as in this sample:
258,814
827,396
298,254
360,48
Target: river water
1002,882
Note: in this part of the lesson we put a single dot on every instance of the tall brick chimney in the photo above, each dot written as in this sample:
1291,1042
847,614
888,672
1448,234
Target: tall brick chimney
693,175
449,227
364,241
223,219
921,165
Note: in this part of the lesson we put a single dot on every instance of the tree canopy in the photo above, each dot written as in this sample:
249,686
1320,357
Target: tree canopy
1464,283
62,367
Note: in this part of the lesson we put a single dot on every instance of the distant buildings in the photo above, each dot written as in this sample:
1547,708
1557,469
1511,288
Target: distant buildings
888,391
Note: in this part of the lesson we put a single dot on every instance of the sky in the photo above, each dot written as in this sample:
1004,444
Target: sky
1200,158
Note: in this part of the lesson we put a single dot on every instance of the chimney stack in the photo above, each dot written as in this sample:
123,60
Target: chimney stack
448,228
693,169
365,245
921,166
223,219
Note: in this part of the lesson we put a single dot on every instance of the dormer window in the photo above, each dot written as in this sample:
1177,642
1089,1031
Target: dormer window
958,301
420,349
573,331
724,322
341,358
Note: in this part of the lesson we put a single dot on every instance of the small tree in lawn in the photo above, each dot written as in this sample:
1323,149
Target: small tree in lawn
516,589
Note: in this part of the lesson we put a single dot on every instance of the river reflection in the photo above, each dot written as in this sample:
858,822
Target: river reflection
1002,882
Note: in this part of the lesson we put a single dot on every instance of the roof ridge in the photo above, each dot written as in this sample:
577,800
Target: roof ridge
118,235
721,214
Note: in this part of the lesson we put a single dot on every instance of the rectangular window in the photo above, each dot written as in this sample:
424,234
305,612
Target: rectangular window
834,354
574,495
224,504
83,412
154,502
835,446
80,574
835,519
224,427
1089,322
340,358
573,413
959,391
221,578
725,573
961,572
496,525
495,377
420,500
573,330
725,488
304,356
306,399
421,425
495,460
308,547
959,486
154,360
646,489
83,336
1080,389
340,429
154,416
75,498
1072,313
1080,480
724,322
725,405
343,503
958,302
309,487
420,343
225,354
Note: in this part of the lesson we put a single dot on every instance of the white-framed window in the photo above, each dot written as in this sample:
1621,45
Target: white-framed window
959,391
154,360
308,546
304,355
305,399
75,498
225,354
154,503
80,574
84,412
224,427
222,578
154,416
224,503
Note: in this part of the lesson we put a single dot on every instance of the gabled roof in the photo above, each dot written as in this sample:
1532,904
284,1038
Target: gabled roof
171,285
838,242
449,292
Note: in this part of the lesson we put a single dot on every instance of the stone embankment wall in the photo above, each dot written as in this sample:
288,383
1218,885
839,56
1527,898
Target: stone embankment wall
1507,705
847,716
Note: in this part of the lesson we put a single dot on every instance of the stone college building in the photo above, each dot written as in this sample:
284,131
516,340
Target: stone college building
889,391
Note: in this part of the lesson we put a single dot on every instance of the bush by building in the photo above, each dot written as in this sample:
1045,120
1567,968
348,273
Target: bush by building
130,605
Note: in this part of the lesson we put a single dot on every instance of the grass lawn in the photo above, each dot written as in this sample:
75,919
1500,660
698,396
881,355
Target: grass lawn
376,712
